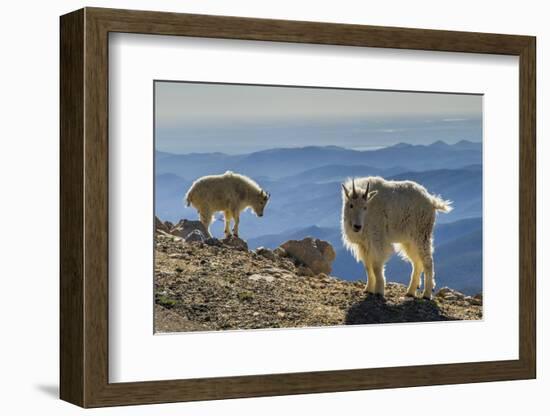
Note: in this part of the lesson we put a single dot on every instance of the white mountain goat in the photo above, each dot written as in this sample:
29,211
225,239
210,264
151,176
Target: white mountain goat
230,193
378,214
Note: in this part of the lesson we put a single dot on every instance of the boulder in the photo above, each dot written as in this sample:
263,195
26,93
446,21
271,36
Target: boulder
444,291
160,226
477,300
235,242
449,294
163,236
213,242
304,271
280,252
265,252
195,236
185,227
315,254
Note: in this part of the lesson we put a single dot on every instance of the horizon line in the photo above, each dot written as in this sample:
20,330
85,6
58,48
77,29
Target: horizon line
373,146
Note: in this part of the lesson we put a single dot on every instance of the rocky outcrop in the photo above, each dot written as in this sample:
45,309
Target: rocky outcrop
219,284
317,255
195,236
453,295
235,242
267,253
161,226
185,227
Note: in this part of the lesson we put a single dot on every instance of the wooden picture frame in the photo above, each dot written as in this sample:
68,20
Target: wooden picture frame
84,207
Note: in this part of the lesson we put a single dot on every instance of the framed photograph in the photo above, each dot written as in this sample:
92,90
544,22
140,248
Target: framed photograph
255,207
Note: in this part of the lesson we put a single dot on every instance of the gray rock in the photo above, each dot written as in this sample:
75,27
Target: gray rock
213,242
195,236
444,291
280,252
315,254
235,242
304,271
185,227
476,300
325,278
265,252
265,277
449,294
160,226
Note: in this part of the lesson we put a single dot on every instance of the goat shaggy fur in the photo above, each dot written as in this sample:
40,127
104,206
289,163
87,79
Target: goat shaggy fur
229,193
379,216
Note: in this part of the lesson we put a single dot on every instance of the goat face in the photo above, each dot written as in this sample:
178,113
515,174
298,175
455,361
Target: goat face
259,201
355,207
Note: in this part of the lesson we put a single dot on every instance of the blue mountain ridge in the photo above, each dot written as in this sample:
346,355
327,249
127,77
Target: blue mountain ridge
306,198
277,163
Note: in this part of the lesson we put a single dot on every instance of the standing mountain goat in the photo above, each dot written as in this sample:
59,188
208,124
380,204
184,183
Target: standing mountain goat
230,193
376,214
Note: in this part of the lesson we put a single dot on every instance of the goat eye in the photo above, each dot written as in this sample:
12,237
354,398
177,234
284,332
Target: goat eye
351,205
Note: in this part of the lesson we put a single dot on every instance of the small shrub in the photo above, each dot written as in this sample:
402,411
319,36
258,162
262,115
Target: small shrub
166,301
245,296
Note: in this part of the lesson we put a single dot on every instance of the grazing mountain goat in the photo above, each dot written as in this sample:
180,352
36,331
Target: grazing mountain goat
376,214
230,193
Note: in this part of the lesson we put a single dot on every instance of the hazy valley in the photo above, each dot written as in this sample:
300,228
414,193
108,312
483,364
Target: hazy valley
305,198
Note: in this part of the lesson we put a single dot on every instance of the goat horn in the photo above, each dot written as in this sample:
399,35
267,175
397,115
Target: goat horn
367,191
354,192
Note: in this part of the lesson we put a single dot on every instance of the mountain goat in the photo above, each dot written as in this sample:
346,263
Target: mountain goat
376,214
230,193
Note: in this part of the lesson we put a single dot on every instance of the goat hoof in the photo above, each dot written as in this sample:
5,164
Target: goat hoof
410,295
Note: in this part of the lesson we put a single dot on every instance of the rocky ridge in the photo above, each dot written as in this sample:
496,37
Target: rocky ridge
205,284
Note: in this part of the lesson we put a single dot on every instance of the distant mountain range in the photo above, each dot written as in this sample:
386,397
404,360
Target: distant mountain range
278,163
314,196
306,197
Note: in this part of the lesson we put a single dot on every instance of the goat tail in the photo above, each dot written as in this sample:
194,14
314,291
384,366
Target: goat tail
440,204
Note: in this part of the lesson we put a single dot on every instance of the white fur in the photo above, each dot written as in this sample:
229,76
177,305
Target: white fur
400,213
229,193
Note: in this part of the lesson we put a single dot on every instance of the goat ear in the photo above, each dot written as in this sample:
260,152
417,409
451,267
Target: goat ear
370,195
346,192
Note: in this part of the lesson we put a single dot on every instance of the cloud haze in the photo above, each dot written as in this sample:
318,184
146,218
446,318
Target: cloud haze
204,117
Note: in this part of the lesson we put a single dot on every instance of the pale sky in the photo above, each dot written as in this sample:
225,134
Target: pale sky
209,117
